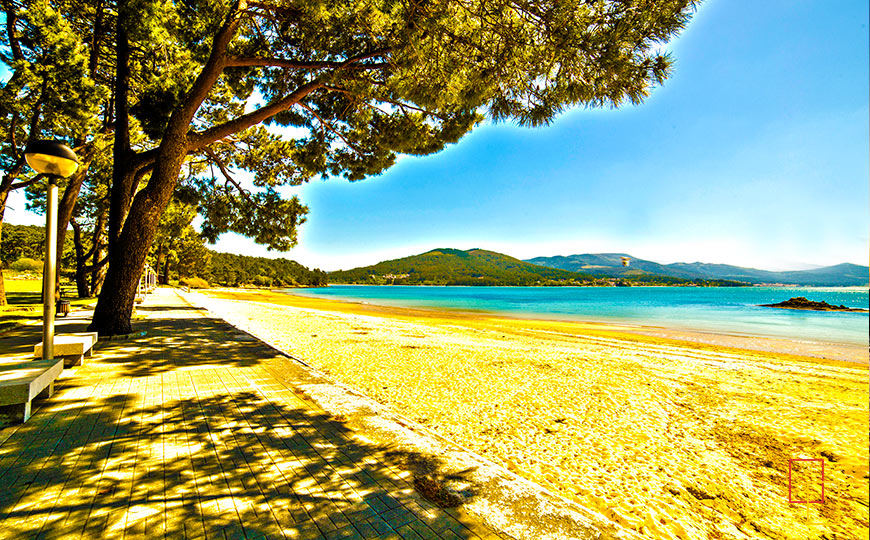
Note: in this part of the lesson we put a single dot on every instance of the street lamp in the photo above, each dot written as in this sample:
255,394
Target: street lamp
54,160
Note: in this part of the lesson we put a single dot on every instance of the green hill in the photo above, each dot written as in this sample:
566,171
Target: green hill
233,270
456,267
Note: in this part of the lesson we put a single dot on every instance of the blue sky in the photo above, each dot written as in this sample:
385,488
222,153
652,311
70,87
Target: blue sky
754,152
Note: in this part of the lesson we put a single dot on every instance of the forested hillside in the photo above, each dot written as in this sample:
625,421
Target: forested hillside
455,267
232,270
28,242
227,269
481,267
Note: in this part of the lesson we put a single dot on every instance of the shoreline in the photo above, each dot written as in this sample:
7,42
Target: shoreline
668,437
822,350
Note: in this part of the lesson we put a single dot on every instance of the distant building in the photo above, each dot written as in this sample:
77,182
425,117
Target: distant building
625,261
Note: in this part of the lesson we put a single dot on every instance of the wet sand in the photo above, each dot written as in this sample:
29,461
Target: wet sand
675,434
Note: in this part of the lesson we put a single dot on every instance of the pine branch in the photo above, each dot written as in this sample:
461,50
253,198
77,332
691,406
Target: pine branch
384,100
7,182
240,61
324,124
197,141
181,118
27,183
11,19
286,12
226,174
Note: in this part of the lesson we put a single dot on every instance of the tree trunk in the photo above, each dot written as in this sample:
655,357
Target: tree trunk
98,251
165,274
123,178
2,285
67,204
127,256
5,186
98,275
65,212
82,289
161,254
113,311
131,233
81,262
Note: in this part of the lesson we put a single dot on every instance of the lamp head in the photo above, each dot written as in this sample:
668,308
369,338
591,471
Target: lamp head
51,157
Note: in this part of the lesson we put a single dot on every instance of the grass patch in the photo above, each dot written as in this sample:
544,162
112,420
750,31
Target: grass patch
13,285
24,301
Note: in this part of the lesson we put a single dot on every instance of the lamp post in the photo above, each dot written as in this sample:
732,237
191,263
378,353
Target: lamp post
54,160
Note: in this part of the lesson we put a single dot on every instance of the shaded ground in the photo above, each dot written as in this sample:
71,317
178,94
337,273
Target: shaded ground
195,431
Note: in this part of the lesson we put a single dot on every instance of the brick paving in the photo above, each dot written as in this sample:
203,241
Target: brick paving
194,430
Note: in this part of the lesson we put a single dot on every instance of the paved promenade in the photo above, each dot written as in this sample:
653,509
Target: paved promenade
195,430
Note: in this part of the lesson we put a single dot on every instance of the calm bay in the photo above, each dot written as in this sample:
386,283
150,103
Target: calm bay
732,310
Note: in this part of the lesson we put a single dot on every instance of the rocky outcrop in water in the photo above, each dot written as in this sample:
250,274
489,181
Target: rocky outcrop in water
802,303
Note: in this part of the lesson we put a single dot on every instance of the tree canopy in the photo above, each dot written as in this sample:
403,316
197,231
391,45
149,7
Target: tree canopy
237,99
48,93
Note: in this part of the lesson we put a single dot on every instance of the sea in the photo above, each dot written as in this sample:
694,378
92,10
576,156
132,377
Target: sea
732,310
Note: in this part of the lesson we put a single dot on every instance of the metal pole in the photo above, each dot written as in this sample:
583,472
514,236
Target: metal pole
48,276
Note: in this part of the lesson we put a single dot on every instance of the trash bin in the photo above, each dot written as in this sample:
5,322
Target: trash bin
63,307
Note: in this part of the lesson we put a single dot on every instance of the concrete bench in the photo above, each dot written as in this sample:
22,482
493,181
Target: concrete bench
71,347
22,382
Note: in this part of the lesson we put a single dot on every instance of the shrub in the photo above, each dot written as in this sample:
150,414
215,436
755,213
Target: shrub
194,282
27,265
262,281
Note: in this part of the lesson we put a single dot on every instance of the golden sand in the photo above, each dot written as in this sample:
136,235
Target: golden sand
671,438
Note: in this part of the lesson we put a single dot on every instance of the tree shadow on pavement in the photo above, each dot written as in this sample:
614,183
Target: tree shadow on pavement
186,343
20,339
236,464
183,433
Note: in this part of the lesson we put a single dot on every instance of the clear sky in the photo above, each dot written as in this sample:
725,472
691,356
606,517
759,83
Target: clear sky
755,152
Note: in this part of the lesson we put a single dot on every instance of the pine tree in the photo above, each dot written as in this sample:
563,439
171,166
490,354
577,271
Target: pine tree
50,93
211,83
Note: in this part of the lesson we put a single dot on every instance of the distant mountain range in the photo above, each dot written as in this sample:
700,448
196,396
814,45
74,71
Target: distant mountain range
610,265
481,267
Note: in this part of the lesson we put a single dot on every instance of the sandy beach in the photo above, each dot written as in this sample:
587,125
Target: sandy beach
673,434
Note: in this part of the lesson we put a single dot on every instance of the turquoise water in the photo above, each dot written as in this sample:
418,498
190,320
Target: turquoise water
731,310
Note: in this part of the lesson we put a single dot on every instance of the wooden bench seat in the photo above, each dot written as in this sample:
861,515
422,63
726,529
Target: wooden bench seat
20,383
71,347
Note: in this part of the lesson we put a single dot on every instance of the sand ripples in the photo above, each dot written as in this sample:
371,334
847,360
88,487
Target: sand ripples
672,440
